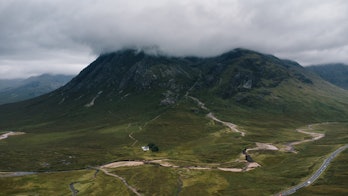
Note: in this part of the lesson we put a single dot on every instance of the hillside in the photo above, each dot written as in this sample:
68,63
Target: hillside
8,83
336,74
20,89
240,123
131,86
256,91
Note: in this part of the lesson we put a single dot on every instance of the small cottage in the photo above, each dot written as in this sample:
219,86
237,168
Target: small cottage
145,148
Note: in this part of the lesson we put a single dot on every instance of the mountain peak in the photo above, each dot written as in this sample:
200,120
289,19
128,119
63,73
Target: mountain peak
133,79
231,74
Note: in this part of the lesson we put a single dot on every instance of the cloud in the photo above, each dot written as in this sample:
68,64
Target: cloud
63,36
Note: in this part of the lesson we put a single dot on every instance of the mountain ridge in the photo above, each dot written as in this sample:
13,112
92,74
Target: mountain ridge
335,73
21,89
130,83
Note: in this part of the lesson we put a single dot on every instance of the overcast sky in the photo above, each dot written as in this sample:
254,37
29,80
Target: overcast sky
64,36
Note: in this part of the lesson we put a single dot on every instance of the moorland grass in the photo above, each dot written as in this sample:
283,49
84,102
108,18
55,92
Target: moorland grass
57,183
42,184
279,171
334,180
187,138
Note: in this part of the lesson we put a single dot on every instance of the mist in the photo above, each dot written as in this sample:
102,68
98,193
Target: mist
64,36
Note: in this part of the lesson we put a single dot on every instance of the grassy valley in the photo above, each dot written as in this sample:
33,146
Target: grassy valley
279,169
111,109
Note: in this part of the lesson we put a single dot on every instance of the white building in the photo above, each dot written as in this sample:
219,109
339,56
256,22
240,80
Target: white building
145,148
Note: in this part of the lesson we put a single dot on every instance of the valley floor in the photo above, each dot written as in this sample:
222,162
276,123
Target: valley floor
218,167
111,169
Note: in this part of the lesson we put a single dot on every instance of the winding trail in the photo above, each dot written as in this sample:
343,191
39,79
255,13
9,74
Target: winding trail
122,179
151,121
262,146
200,104
165,163
131,135
231,126
215,166
315,136
135,140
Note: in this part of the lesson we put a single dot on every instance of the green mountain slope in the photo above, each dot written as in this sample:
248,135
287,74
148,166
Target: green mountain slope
336,74
130,86
187,107
153,98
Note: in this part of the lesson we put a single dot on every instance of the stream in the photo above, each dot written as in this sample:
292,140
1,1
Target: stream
72,189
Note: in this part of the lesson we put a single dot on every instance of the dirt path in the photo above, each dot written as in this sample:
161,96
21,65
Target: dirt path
315,136
262,146
151,121
11,133
166,163
122,179
135,140
200,104
230,125
123,164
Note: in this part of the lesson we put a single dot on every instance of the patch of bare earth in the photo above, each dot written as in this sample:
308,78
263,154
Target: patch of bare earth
123,164
251,166
315,136
230,169
263,146
11,133
163,163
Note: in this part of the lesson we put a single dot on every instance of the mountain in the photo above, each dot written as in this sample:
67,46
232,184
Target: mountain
336,74
189,108
20,89
8,83
130,86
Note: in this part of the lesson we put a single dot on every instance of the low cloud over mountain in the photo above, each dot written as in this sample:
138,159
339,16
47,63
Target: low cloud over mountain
63,36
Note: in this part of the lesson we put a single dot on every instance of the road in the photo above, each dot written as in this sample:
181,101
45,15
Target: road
316,175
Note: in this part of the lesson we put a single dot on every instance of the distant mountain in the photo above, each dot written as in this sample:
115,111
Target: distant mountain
20,89
336,74
132,86
9,83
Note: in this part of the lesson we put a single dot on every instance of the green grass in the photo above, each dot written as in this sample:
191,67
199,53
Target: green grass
333,182
58,184
185,136
279,171
42,184
335,178
65,136
151,180
65,150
